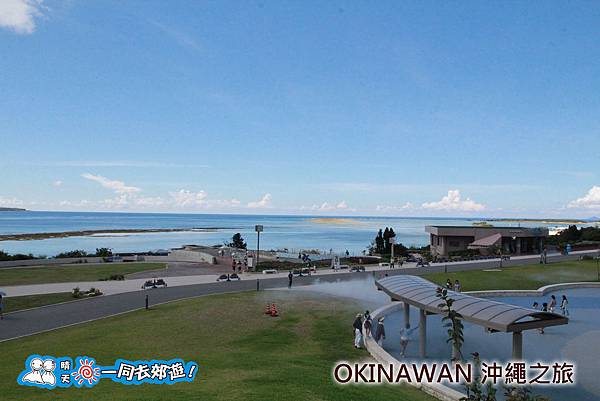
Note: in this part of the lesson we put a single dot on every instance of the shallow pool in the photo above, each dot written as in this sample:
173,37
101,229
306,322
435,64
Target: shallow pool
578,341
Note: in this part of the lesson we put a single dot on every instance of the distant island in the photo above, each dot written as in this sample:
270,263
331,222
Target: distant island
100,233
12,209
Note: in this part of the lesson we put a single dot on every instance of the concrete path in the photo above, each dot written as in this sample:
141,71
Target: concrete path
133,285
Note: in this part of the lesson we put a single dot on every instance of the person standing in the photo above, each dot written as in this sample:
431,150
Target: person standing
290,278
457,286
543,309
448,284
405,336
380,331
564,304
552,303
357,326
233,264
1,307
368,324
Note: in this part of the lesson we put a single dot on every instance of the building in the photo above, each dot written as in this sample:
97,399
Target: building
509,240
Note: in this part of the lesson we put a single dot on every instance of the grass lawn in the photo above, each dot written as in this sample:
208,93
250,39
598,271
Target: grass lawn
242,354
69,273
529,277
12,304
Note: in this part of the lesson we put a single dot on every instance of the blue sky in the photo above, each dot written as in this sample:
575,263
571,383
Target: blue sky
399,108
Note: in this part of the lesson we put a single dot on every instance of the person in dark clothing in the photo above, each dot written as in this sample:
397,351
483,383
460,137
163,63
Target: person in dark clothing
368,324
449,284
380,331
544,309
290,278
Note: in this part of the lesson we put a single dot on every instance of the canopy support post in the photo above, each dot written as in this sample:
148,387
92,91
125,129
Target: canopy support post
422,333
517,345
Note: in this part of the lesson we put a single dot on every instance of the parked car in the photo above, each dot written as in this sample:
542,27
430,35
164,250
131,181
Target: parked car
357,269
154,283
228,277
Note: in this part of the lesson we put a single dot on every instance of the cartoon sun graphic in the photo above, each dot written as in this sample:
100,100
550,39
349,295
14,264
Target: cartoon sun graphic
86,372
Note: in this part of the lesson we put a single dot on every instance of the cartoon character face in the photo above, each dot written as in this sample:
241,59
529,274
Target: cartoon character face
49,365
36,364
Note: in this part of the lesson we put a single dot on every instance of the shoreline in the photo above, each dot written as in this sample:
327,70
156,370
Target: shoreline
92,233
544,221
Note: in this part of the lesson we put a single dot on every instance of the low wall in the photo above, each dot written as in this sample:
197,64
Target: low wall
533,293
181,255
438,391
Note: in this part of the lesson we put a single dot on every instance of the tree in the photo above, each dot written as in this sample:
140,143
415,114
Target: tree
379,243
78,253
18,256
453,322
237,241
103,252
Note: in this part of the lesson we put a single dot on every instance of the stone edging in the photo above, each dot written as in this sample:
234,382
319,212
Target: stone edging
534,293
439,391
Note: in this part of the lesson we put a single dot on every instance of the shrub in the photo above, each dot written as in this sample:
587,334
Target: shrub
78,253
19,256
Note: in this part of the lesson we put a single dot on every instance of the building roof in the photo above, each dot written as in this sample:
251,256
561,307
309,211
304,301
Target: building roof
493,315
482,231
485,242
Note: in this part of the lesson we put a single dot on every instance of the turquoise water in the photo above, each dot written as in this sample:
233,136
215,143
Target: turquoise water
291,232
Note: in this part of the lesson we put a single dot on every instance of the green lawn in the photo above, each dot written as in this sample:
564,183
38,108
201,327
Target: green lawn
530,277
69,273
12,304
242,354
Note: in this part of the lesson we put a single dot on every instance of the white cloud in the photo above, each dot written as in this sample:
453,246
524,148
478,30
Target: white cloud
57,183
115,185
10,202
591,200
453,202
330,207
265,202
392,208
342,205
19,15
184,198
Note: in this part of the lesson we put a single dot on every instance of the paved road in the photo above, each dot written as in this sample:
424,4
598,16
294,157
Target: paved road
50,317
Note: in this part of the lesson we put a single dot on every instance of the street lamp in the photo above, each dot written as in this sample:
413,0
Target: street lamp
258,228
392,241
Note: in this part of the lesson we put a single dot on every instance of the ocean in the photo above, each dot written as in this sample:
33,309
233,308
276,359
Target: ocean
293,233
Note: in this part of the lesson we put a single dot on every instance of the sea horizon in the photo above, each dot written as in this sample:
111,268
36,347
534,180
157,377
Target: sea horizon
290,233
